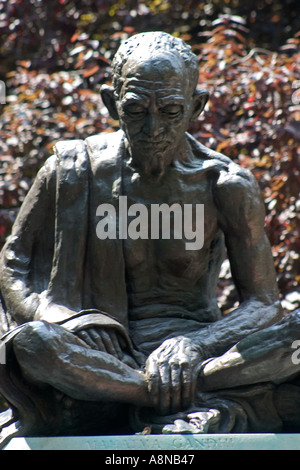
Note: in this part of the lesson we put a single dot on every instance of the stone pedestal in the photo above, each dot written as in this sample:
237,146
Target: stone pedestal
180,442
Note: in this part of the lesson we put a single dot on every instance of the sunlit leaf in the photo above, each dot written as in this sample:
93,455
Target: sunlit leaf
90,71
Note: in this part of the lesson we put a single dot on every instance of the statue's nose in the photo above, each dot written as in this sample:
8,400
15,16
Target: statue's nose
153,126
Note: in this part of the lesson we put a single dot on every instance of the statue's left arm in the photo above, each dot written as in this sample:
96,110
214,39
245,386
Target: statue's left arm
241,216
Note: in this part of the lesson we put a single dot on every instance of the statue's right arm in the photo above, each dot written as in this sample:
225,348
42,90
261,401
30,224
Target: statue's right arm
20,297
26,298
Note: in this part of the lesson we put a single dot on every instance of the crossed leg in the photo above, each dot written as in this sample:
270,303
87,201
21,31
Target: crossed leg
49,354
263,356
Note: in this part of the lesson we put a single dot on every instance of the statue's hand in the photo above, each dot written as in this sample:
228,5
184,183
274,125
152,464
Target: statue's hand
105,340
108,341
171,373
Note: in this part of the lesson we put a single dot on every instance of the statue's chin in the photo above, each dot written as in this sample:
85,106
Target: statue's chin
151,162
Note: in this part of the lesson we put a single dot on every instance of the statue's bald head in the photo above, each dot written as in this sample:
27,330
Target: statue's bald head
151,45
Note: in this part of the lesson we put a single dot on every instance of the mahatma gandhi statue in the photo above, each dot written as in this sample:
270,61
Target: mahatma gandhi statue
107,333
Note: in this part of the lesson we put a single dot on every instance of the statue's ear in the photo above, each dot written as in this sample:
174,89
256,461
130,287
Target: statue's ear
200,98
107,95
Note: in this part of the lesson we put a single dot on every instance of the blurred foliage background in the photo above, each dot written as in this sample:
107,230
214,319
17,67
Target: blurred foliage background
55,54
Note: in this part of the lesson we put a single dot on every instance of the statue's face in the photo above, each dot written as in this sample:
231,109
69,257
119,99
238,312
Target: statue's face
154,107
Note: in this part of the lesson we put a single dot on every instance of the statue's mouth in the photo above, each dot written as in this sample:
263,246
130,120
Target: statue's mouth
152,142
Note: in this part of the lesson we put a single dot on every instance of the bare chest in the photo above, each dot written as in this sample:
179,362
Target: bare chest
171,224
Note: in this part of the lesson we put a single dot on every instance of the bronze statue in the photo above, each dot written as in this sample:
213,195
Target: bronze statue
108,334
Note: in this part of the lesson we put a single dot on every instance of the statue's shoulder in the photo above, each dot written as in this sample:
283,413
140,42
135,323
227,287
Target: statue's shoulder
236,193
73,158
205,155
231,179
74,149
69,149
236,183
105,144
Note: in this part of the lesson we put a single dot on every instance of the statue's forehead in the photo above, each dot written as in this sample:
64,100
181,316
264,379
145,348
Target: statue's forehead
152,72
153,66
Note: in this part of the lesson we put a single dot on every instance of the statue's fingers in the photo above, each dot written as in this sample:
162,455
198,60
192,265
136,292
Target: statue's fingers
108,343
96,337
165,389
84,336
175,388
186,386
153,381
116,345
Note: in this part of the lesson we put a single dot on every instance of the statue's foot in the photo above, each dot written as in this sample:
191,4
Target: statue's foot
199,422
192,421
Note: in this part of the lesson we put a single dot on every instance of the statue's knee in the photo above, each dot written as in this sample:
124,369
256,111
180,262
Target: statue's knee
32,340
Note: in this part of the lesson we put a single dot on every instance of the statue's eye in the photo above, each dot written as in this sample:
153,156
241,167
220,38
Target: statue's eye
172,110
135,110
